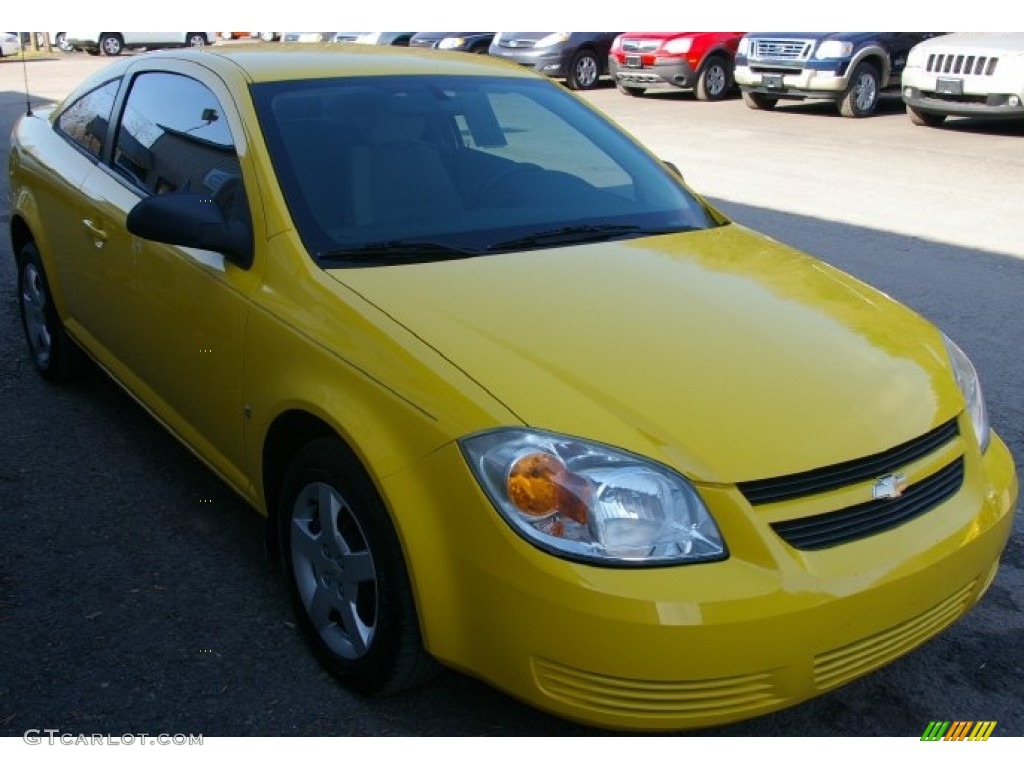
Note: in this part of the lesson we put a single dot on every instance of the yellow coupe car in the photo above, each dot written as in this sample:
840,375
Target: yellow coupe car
511,397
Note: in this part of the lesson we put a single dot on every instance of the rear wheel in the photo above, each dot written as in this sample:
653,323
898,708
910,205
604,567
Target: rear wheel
61,41
929,119
346,573
714,80
196,40
759,100
54,354
111,44
584,71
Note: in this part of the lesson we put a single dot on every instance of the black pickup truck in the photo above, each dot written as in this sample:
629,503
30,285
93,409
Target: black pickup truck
849,68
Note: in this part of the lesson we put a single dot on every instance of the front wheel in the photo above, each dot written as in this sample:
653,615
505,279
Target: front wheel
630,90
861,96
584,71
54,354
714,80
346,573
759,100
929,119
111,45
196,40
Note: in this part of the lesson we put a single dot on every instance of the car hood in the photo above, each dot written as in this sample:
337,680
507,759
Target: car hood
996,43
722,353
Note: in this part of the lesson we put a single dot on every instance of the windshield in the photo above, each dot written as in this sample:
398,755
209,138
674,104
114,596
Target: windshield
384,170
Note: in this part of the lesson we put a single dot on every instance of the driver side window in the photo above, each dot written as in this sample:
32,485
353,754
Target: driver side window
173,137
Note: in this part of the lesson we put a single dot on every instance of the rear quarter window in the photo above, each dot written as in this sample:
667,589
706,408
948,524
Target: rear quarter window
86,121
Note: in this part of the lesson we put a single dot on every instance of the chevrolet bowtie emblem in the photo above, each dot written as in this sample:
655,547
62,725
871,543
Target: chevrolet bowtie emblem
889,487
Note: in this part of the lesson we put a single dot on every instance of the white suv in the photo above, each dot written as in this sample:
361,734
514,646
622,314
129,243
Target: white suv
112,43
966,75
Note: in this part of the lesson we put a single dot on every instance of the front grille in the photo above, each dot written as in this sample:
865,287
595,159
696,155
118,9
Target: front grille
640,46
961,64
843,664
781,50
849,472
869,518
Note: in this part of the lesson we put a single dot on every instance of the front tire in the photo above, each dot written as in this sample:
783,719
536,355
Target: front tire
584,71
196,40
346,573
759,100
630,90
929,119
111,44
861,96
54,355
714,80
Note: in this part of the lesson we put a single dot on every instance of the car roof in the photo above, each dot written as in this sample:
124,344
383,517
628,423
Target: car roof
273,62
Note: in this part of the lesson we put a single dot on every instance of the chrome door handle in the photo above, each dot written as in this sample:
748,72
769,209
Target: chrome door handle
99,235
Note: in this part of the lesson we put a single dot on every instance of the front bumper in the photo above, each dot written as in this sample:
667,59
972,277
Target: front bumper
806,83
698,645
664,73
543,60
964,104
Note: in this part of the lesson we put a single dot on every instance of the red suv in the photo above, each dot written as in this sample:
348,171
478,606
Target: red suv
701,61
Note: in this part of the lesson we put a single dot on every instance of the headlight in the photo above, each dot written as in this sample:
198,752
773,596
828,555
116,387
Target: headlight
970,386
589,502
553,39
368,38
833,49
743,49
452,42
679,45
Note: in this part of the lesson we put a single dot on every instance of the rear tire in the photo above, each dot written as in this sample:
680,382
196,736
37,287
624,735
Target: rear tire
346,573
196,40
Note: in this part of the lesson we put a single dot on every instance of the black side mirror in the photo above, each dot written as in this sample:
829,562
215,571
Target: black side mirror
198,221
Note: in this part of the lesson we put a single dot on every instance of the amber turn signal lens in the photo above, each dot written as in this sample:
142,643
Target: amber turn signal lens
539,484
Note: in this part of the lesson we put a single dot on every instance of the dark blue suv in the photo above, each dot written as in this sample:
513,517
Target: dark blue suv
849,68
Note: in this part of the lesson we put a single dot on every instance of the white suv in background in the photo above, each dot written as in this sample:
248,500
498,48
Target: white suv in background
112,43
966,74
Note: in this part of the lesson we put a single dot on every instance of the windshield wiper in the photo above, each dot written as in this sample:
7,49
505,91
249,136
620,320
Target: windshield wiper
585,233
394,252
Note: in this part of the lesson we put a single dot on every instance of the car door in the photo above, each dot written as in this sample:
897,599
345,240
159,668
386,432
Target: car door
175,331
69,235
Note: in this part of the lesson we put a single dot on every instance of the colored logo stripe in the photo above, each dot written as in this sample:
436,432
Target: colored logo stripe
958,730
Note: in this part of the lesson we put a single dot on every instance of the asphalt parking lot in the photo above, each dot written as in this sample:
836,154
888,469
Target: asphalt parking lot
134,594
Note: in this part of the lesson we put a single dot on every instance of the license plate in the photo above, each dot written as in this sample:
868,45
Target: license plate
950,86
633,61
771,81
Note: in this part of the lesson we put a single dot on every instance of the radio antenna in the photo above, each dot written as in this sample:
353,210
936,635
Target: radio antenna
24,69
